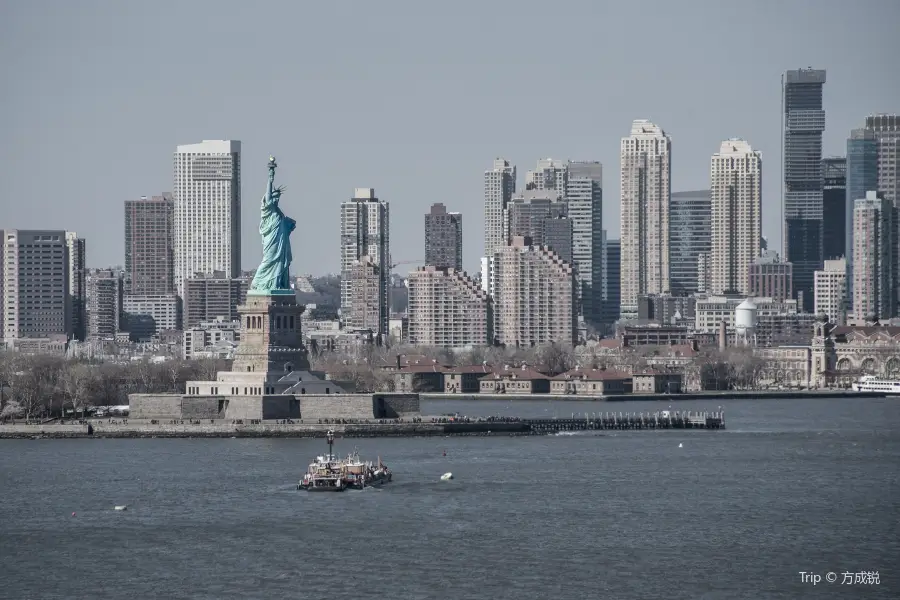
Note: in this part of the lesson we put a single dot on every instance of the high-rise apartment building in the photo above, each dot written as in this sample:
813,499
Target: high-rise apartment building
886,131
150,245
534,296
549,175
736,194
862,176
804,122
612,297
210,297
770,277
448,309
584,206
690,234
873,250
499,187
104,304
831,291
646,167
526,214
366,308
77,258
834,207
365,231
36,301
207,210
443,238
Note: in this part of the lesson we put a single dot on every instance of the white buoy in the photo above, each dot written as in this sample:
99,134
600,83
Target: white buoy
121,507
446,476
680,445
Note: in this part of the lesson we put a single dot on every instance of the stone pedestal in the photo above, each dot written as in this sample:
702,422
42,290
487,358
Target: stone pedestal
271,336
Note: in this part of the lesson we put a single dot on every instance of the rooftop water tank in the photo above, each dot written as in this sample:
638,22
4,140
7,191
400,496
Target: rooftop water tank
745,316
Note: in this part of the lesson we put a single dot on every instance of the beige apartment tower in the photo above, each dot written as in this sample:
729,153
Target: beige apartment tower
365,232
873,251
735,176
499,187
366,308
831,291
645,168
448,309
534,296
207,210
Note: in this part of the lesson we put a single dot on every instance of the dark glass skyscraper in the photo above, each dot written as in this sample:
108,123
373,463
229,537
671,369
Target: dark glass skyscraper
834,207
690,234
804,122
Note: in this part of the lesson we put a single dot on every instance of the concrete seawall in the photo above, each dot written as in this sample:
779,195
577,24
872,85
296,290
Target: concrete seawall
708,395
263,430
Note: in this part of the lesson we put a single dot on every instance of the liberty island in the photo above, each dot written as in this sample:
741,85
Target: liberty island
273,274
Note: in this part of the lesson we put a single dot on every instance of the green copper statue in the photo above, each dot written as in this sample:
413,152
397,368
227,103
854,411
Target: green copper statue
273,274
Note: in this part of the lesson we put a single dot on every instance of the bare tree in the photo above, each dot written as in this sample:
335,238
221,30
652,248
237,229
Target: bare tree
77,383
555,358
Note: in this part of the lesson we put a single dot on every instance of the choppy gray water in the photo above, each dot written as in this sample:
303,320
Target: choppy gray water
801,485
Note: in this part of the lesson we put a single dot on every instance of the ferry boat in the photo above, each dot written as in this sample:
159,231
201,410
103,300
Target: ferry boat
329,474
324,474
873,383
359,474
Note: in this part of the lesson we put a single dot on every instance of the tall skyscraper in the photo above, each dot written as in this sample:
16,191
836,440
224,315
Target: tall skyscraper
886,131
207,210
77,257
149,245
584,206
873,250
831,291
37,302
735,178
834,207
448,309
534,296
862,176
550,175
499,187
612,296
804,122
365,231
646,166
690,234
443,238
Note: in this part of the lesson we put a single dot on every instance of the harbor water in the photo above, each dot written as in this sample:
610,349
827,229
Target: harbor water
807,485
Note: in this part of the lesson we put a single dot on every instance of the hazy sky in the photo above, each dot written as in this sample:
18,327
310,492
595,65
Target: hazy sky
412,98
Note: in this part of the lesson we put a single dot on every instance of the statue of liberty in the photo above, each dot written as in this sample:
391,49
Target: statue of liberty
273,274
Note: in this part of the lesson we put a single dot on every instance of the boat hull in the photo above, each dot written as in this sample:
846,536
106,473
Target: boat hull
375,482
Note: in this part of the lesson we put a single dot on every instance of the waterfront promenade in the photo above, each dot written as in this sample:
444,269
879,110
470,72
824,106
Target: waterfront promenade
412,427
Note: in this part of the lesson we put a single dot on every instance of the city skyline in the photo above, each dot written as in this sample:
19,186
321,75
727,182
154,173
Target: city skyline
310,115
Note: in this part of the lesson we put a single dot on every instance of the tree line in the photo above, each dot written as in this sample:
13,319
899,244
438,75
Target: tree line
45,385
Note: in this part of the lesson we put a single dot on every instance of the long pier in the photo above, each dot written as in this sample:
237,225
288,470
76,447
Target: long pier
628,421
